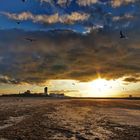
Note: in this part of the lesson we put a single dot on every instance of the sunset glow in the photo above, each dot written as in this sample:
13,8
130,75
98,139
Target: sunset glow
69,69
78,47
102,87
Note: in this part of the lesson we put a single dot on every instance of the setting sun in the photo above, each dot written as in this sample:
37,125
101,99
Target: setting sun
102,87
69,69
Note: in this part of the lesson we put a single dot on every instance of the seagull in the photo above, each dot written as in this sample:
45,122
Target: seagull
29,39
23,0
122,35
18,22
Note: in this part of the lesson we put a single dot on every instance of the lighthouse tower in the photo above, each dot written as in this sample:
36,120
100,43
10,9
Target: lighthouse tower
46,90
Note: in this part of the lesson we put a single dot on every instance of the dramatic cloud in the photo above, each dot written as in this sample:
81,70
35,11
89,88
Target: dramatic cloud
64,2
97,14
68,55
86,2
124,17
132,79
113,3
49,19
117,3
93,48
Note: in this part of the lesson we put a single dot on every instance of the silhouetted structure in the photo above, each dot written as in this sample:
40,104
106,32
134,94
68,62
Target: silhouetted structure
46,90
27,92
130,96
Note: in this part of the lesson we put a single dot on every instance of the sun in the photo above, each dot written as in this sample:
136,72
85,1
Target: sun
100,83
102,87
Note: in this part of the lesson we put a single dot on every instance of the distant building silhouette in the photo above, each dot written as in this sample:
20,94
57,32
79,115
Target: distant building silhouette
46,90
27,92
130,96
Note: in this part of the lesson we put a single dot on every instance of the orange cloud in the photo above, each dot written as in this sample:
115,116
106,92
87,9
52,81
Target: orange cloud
50,19
117,3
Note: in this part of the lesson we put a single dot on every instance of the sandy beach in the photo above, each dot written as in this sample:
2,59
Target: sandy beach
69,119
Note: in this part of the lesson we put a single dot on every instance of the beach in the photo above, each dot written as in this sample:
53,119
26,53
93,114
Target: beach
69,119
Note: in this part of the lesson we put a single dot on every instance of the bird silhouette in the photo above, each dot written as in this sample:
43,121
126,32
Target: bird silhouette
23,0
122,35
18,22
29,39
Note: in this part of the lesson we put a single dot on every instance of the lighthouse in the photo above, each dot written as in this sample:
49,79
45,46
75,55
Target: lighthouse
46,90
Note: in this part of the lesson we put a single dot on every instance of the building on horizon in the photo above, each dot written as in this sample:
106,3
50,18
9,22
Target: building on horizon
46,90
27,92
130,96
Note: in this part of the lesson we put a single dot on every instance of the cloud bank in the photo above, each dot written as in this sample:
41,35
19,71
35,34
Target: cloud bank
113,3
67,55
49,19
94,48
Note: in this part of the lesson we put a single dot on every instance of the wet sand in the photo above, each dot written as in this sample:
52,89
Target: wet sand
69,119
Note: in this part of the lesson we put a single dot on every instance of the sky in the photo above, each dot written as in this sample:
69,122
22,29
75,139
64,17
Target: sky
71,46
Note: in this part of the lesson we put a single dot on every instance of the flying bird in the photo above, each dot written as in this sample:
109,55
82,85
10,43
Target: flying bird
123,88
122,35
23,0
18,22
29,39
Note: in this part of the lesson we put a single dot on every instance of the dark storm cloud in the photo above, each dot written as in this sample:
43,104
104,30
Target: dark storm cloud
132,79
67,55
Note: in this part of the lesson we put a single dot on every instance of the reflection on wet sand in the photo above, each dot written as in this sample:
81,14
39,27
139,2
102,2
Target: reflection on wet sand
62,119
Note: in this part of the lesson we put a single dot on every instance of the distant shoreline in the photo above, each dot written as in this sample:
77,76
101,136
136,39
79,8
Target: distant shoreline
113,98
47,97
